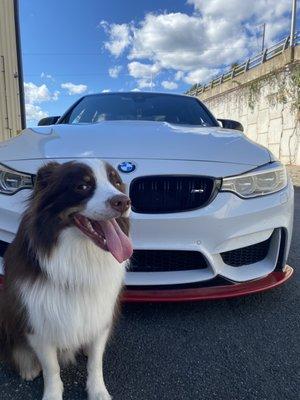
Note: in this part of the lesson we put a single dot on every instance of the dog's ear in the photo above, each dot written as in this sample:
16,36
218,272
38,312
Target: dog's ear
44,175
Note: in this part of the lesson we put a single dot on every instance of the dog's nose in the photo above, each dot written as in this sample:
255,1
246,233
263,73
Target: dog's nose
120,203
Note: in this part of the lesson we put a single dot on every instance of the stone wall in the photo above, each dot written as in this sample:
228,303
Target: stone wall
266,101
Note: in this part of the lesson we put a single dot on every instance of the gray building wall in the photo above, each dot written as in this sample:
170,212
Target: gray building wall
10,94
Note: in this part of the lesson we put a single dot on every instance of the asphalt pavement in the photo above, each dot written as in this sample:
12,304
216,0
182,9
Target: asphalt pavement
240,349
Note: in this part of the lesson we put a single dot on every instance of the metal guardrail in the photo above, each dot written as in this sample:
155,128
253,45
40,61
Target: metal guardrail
252,62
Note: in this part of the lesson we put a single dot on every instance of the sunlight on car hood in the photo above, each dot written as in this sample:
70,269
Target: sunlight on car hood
133,140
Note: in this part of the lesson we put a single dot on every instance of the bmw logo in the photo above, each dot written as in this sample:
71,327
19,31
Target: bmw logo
126,167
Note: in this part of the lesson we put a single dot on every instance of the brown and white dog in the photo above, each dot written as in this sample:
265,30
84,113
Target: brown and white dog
64,272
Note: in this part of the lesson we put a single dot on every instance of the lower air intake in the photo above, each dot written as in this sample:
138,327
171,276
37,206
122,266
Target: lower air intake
166,260
247,255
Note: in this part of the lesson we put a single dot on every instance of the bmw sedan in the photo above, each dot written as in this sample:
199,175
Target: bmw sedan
212,211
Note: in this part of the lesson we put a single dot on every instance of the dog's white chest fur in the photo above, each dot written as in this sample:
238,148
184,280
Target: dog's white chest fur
77,301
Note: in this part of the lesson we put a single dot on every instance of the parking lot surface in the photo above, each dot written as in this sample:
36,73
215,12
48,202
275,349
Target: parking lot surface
240,349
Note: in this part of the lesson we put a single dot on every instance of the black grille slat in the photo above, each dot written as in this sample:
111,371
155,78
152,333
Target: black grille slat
247,255
166,260
167,194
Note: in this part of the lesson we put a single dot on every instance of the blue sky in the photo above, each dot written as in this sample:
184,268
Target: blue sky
73,47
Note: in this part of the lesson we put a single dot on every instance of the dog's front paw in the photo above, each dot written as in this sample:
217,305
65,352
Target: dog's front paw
103,395
30,374
52,397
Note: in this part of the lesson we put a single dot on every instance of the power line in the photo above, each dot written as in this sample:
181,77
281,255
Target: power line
79,74
141,54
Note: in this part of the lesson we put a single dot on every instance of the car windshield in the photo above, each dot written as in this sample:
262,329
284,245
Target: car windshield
139,107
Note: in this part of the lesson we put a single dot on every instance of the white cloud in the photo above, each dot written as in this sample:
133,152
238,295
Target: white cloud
235,9
271,12
179,75
44,75
229,9
145,83
169,85
34,95
184,43
106,90
139,70
74,89
38,94
173,40
119,37
115,71
135,90
194,46
144,73
34,113
202,75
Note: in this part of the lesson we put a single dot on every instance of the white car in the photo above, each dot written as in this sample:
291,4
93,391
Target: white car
212,211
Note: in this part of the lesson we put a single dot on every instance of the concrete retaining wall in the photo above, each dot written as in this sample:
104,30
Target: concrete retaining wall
266,101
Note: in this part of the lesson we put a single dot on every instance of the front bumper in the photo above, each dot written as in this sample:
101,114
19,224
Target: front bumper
227,223
219,292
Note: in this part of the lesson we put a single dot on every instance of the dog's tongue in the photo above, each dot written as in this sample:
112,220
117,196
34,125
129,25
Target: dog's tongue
117,242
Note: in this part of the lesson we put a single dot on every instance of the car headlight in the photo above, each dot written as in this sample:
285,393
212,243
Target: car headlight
262,181
12,181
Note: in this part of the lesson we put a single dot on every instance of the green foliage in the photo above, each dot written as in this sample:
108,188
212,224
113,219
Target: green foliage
193,88
254,92
234,65
286,82
295,78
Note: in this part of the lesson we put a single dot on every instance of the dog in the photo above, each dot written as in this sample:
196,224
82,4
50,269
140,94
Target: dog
64,272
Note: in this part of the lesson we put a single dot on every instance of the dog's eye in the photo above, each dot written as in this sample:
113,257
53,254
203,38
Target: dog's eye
115,180
83,187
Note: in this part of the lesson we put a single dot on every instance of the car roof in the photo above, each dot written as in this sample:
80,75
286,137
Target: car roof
138,93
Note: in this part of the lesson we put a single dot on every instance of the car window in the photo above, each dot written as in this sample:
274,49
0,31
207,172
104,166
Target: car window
139,107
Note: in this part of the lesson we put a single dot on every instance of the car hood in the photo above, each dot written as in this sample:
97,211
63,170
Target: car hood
131,140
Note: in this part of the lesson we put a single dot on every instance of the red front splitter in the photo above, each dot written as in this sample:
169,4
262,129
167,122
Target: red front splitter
207,293
210,293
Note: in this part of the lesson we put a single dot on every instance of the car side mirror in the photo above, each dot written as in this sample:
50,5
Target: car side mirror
48,121
231,124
